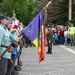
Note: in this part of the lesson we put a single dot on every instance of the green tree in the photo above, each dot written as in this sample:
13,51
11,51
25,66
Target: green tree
63,12
24,9
57,11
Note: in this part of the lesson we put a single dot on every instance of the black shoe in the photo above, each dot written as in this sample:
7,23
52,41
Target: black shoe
17,68
49,52
15,73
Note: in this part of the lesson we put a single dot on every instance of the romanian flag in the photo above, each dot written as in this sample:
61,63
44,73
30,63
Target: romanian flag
35,31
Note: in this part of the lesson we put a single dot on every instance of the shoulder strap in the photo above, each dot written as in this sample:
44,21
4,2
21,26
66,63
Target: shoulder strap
5,41
3,44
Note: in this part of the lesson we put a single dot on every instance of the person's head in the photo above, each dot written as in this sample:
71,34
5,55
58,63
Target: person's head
52,25
71,24
9,25
49,29
3,20
65,29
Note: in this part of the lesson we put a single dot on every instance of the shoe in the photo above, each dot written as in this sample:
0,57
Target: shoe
17,68
15,73
49,52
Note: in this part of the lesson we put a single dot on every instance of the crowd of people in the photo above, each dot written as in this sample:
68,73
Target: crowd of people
62,35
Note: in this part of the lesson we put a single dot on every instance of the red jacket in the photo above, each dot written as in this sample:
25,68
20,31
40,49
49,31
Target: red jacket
61,32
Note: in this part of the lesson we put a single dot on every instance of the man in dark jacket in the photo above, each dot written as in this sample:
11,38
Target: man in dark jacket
49,41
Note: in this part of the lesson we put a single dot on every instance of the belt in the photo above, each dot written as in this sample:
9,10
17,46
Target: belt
4,46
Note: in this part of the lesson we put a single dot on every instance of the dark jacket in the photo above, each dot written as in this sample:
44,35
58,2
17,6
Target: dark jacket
49,36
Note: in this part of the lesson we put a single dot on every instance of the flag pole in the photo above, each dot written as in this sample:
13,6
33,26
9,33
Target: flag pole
48,4
46,18
46,8
43,34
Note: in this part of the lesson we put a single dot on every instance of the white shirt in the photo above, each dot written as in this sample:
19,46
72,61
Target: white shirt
65,33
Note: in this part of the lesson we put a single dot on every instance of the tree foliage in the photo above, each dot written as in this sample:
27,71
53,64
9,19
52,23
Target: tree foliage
58,11
24,9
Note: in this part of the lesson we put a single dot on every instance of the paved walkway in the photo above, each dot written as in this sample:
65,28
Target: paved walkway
61,62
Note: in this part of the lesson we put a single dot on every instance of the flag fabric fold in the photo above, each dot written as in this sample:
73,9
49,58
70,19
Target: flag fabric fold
35,31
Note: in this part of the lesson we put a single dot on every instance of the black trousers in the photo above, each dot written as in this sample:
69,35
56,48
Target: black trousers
3,66
10,68
50,47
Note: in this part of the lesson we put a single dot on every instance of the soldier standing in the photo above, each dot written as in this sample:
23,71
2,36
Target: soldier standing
5,38
49,41
10,68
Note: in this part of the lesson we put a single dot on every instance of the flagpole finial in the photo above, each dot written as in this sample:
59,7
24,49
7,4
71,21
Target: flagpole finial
48,4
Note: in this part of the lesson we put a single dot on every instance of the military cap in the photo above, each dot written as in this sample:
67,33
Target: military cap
9,21
3,17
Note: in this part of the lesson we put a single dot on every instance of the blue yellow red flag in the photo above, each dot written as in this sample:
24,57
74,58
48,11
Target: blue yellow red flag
35,31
